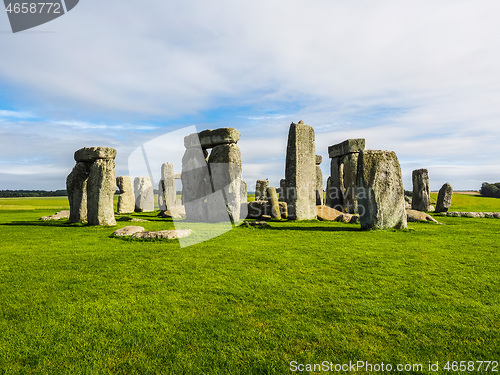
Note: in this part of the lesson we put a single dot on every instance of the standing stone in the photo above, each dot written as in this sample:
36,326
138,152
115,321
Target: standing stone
272,198
444,198
225,171
348,182
244,200
101,188
260,189
144,194
300,172
319,181
380,191
91,186
167,192
76,186
126,199
282,197
421,198
328,195
196,184
335,193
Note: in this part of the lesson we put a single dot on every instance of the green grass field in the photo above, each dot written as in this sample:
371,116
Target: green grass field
73,300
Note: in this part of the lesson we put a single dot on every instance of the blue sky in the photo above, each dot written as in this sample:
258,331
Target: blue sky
419,78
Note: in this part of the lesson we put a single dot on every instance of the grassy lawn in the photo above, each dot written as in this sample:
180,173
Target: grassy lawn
74,300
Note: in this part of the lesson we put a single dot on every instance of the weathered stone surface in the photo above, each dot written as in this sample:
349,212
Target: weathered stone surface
300,172
126,198
260,189
101,188
76,186
196,184
177,212
57,216
283,210
495,215
128,231
334,193
444,198
282,197
348,182
244,200
225,171
414,216
167,192
257,209
144,194
319,159
380,191
346,147
91,154
163,234
421,198
211,138
347,218
326,213
319,186
272,199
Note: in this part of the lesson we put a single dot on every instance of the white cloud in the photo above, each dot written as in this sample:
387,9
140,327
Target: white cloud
421,79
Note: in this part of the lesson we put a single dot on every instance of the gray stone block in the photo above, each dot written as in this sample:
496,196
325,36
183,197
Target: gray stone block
346,147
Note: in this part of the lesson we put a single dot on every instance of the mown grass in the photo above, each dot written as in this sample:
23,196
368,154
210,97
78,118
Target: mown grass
471,203
74,300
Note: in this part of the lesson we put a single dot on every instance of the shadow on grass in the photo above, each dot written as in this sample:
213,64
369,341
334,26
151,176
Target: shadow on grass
318,229
52,223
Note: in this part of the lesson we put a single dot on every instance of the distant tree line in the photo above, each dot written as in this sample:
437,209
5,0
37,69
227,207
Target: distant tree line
31,193
490,190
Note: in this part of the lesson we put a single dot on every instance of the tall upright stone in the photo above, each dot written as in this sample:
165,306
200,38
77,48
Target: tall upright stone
444,198
272,198
144,194
300,172
91,186
282,197
380,191
196,184
421,198
126,198
101,188
76,187
244,200
260,189
319,181
343,174
167,192
225,171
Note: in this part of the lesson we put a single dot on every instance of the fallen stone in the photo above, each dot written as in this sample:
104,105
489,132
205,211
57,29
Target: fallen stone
326,213
347,218
346,147
261,224
58,216
178,212
414,216
444,198
91,154
163,234
128,231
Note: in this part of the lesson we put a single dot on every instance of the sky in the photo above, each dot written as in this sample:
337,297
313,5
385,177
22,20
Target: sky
421,78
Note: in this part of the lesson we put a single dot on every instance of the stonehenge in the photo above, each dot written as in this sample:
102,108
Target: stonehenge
126,198
211,184
91,186
380,191
444,198
341,194
319,181
300,172
144,194
421,198
167,192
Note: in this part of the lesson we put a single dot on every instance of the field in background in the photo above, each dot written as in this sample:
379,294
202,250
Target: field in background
75,300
